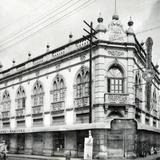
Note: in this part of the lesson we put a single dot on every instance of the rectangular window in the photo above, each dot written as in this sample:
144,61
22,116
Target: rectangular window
18,103
35,100
40,99
21,123
23,102
6,124
79,91
86,89
55,96
61,94
38,122
82,118
59,120
115,85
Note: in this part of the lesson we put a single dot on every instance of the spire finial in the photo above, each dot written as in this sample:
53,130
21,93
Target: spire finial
13,61
29,55
47,47
130,22
100,19
70,37
115,5
115,15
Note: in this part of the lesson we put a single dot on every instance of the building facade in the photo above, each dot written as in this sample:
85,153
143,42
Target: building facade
45,100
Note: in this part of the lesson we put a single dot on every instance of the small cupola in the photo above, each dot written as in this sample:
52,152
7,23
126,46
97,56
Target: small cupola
100,27
130,26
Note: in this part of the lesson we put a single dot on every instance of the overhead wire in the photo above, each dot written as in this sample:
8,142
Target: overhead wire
64,16
85,4
31,25
22,17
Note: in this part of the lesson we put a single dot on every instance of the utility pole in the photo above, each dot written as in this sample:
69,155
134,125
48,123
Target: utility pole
90,39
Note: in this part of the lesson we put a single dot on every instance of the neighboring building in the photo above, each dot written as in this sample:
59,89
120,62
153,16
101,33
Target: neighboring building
45,100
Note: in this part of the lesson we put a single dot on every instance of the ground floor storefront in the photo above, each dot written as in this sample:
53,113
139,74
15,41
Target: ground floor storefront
122,139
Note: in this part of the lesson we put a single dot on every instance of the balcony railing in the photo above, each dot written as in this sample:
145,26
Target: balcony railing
20,112
116,98
81,102
37,109
75,45
57,106
5,114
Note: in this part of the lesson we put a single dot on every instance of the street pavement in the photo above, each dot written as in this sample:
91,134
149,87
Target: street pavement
31,157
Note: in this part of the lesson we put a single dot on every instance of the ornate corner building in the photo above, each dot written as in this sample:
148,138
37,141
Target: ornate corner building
45,100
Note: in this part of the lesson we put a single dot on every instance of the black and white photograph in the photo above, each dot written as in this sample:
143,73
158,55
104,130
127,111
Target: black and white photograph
79,79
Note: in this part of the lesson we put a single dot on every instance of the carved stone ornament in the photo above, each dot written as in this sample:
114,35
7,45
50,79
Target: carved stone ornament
116,32
20,79
115,53
57,66
116,98
82,57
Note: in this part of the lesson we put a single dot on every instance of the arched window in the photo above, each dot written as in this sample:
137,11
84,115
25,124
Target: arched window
136,86
38,94
58,89
82,83
154,99
138,90
115,80
6,101
21,98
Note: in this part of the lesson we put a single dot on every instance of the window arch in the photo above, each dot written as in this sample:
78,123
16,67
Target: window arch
21,98
6,101
115,79
38,94
138,89
82,83
58,89
154,100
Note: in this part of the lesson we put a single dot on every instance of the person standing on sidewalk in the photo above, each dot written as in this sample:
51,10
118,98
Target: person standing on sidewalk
4,151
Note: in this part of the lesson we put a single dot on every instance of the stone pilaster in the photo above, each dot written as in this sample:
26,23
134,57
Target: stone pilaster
131,112
28,143
48,144
99,88
13,143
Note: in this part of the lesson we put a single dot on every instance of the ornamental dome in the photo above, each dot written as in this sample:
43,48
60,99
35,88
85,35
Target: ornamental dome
100,27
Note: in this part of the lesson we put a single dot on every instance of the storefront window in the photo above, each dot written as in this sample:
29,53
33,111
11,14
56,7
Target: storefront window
58,141
20,142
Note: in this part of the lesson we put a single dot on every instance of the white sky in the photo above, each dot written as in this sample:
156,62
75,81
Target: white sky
20,21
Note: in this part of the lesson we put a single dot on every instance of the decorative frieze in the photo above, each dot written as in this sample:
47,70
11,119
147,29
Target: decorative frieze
116,98
116,32
81,102
57,106
115,53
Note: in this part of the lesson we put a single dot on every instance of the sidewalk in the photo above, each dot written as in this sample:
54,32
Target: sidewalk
34,157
